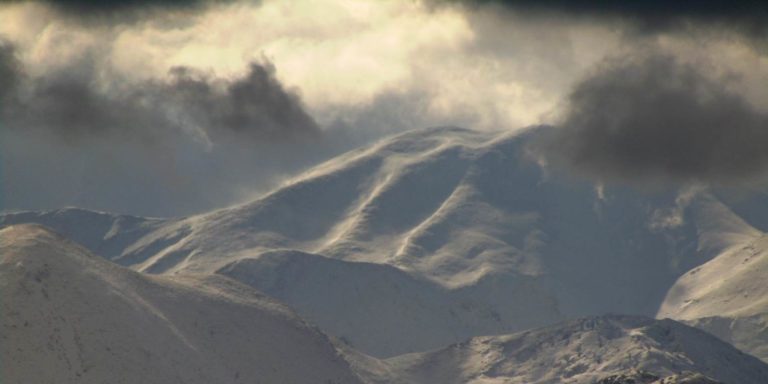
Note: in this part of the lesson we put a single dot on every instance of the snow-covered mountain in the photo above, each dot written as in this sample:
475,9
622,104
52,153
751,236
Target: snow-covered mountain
432,237
71,317
587,350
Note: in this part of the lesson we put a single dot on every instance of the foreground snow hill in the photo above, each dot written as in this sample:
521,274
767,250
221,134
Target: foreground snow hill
432,237
71,317
586,351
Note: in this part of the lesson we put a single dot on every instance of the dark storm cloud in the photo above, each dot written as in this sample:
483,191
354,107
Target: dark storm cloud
70,105
651,118
184,144
83,7
256,105
748,16
122,12
73,103
118,4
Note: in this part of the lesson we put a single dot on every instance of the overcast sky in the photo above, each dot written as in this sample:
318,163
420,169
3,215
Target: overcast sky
174,107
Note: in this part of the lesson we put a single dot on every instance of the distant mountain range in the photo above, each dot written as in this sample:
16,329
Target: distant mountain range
437,236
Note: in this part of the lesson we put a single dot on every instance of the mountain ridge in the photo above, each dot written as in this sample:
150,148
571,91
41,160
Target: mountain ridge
468,229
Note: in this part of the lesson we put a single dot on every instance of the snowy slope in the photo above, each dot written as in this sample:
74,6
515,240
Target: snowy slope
447,204
383,310
71,317
493,241
437,235
584,351
728,296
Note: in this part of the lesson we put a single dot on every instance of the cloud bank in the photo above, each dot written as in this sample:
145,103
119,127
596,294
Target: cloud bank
184,106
